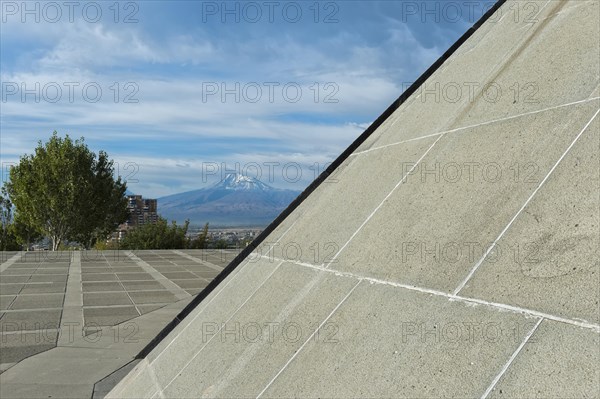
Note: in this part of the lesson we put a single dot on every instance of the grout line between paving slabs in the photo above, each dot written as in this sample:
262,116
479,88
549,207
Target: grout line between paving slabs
383,201
219,330
308,339
179,292
198,260
491,247
511,359
17,294
122,286
189,271
451,297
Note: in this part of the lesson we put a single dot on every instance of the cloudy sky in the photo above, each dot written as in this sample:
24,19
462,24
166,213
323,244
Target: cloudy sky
179,92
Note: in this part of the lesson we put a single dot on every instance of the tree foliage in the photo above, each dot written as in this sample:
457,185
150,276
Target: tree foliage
157,236
8,239
66,192
200,241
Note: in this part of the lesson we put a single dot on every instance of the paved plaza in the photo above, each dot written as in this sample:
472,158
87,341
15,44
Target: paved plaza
58,306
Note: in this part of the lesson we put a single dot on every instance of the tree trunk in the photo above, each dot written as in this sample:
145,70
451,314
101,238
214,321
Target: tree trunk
55,243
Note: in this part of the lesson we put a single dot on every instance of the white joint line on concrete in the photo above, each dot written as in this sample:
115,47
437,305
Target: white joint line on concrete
511,359
218,331
491,247
529,312
476,125
246,357
452,297
240,268
197,260
308,340
176,290
72,314
383,201
10,261
207,280
139,312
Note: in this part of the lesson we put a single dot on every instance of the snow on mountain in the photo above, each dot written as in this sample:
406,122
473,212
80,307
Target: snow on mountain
234,181
237,200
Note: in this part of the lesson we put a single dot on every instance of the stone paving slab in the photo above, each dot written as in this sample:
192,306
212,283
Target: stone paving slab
69,366
6,300
104,302
192,283
13,272
561,252
392,342
13,279
60,271
135,276
48,278
556,363
244,281
9,289
142,285
179,275
43,288
98,277
272,324
146,297
302,245
449,220
15,347
101,299
30,320
108,316
38,301
149,308
97,287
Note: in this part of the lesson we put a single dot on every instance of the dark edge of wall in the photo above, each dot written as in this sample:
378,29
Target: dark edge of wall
372,128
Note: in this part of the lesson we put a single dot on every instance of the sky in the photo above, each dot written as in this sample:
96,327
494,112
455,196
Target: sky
180,93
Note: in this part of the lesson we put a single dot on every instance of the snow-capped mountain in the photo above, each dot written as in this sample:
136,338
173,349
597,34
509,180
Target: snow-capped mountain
236,200
235,181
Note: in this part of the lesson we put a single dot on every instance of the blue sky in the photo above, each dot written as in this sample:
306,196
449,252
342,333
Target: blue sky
179,92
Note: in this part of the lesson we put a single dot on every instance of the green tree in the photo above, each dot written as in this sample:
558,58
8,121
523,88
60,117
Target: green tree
24,233
67,192
200,241
157,236
8,240
221,244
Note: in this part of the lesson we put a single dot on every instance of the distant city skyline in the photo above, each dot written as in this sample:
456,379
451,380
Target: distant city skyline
179,93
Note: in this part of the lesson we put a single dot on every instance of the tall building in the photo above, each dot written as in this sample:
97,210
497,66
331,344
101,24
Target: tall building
141,211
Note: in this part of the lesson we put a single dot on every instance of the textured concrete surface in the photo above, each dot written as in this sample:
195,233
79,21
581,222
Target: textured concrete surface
412,261
555,246
449,216
392,343
556,363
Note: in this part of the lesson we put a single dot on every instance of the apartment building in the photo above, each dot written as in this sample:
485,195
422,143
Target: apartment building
141,211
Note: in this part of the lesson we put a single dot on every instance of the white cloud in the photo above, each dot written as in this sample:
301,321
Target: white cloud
365,77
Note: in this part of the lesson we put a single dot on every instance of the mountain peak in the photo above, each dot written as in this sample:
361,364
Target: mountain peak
238,182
